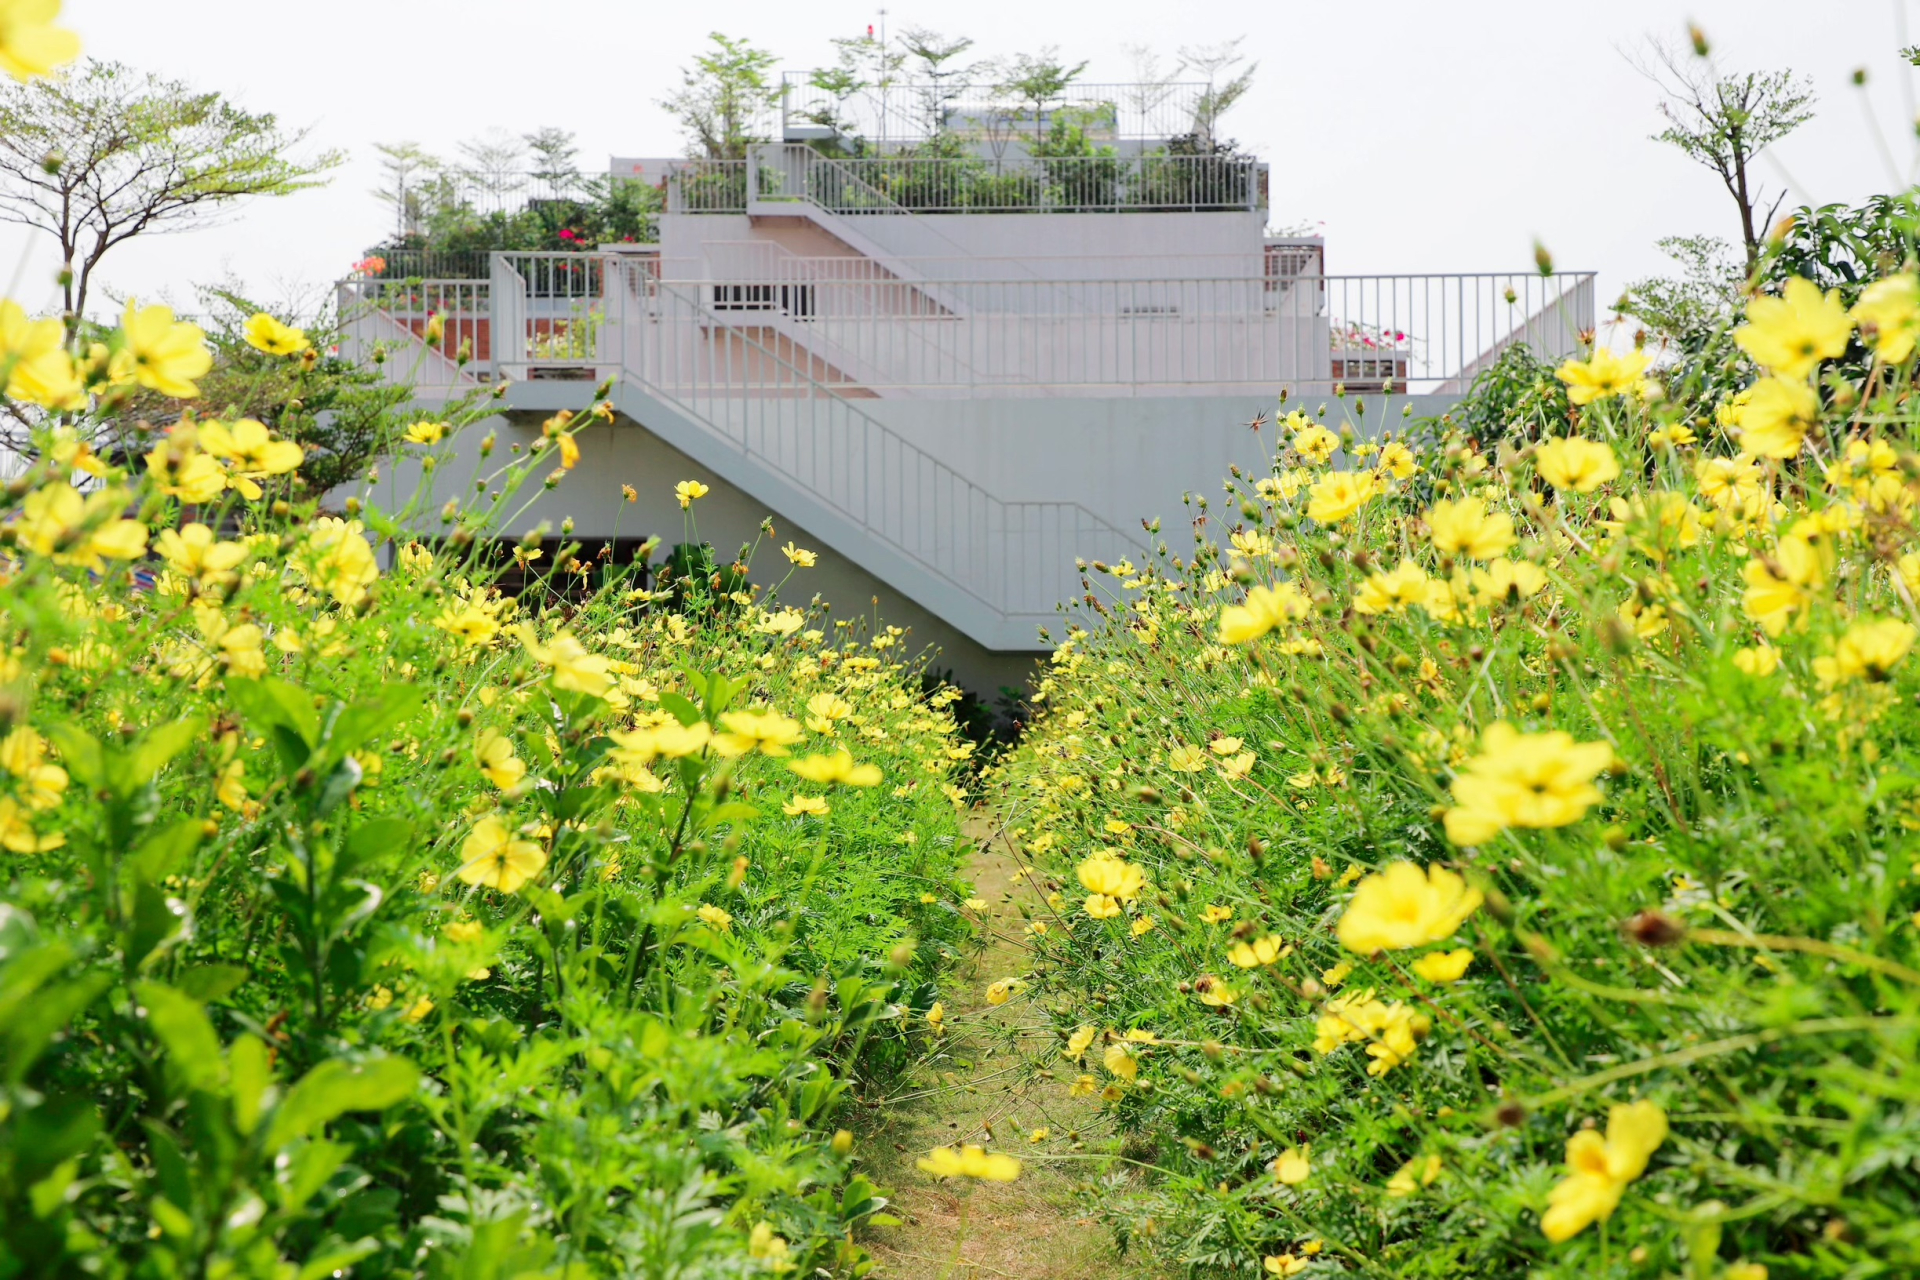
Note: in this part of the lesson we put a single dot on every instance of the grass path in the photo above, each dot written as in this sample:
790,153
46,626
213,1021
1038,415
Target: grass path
979,1087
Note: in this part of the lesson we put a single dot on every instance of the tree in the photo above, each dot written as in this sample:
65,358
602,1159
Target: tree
1225,85
102,153
942,79
1038,80
1724,120
724,97
410,172
1687,310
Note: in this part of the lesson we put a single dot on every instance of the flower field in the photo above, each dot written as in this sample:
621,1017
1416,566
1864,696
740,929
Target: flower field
1503,863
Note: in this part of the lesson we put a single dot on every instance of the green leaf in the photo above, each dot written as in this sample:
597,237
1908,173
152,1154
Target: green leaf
883,1220
80,753
161,852
334,1088
157,920
152,750
251,1070
212,983
371,717
373,839
732,811
181,1025
28,1031
340,784
272,702
683,708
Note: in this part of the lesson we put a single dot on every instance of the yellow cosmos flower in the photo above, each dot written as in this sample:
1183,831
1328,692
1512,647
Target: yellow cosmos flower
1266,608
799,557
1524,780
250,450
1731,484
1783,583
1777,415
494,752
1604,375
1506,581
1078,1043
1443,966
1759,662
1109,882
1888,314
1396,460
574,669
767,731
1252,955
1599,1169
1793,333
1119,1060
16,830
970,1162
471,625
1573,465
836,768
811,806
1294,1165
426,433
1421,1171
1467,528
1316,444
1214,913
1392,592
569,452
1283,1264
1868,651
1404,907
30,45
57,522
337,560
33,353
687,492
493,856
1338,496
264,333
715,918
182,471
167,354
1004,990
194,552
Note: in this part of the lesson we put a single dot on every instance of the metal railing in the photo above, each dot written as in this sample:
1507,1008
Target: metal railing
782,407
907,113
386,323
1078,184
707,186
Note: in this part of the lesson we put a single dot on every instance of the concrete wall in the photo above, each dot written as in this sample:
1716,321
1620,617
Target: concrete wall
626,453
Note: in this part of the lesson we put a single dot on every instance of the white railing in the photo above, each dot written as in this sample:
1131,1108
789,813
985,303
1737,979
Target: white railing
387,323
1022,184
988,113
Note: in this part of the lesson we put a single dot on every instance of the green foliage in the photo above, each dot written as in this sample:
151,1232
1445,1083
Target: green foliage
724,97
1724,925
1517,398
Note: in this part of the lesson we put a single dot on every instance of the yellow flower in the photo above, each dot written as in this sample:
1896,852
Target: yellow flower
1084,1086
494,751
1109,882
1120,1061
182,471
1793,333
970,1162
1404,907
1294,1165
264,333
419,1009
769,1249
1214,993
1187,758
1868,651
1467,528
1392,592
687,492
1315,443
492,856
1524,780
1599,1169
1443,966
838,767
1251,955
1216,914
1397,460
1774,421
337,560
1283,1264
1780,585
1339,495
16,830
799,557
937,1017
1731,484
1760,661
470,625
464,932
251,451
426,433
569,452
30,45
814,806
194,552
55,521
766,730
1504,581
1603,375
1079,1041
167,354
1421,1171
1265,609
1888,314
1576,465
574,669
33,353
1004,990
715,918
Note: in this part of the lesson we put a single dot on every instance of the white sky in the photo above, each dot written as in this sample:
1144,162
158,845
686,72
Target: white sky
1425,136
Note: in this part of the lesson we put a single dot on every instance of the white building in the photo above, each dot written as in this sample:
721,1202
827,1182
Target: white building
951,375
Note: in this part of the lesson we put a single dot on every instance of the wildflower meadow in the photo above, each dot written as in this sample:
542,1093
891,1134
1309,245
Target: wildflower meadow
1474,853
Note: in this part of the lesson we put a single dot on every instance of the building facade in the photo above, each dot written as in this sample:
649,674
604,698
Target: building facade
954,375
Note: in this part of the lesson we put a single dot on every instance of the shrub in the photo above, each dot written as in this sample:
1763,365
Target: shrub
1482,866
366,920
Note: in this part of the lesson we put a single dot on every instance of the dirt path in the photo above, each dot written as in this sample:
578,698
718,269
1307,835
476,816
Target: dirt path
980,1087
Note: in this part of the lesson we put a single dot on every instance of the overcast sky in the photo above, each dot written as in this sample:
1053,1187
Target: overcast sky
1423,136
